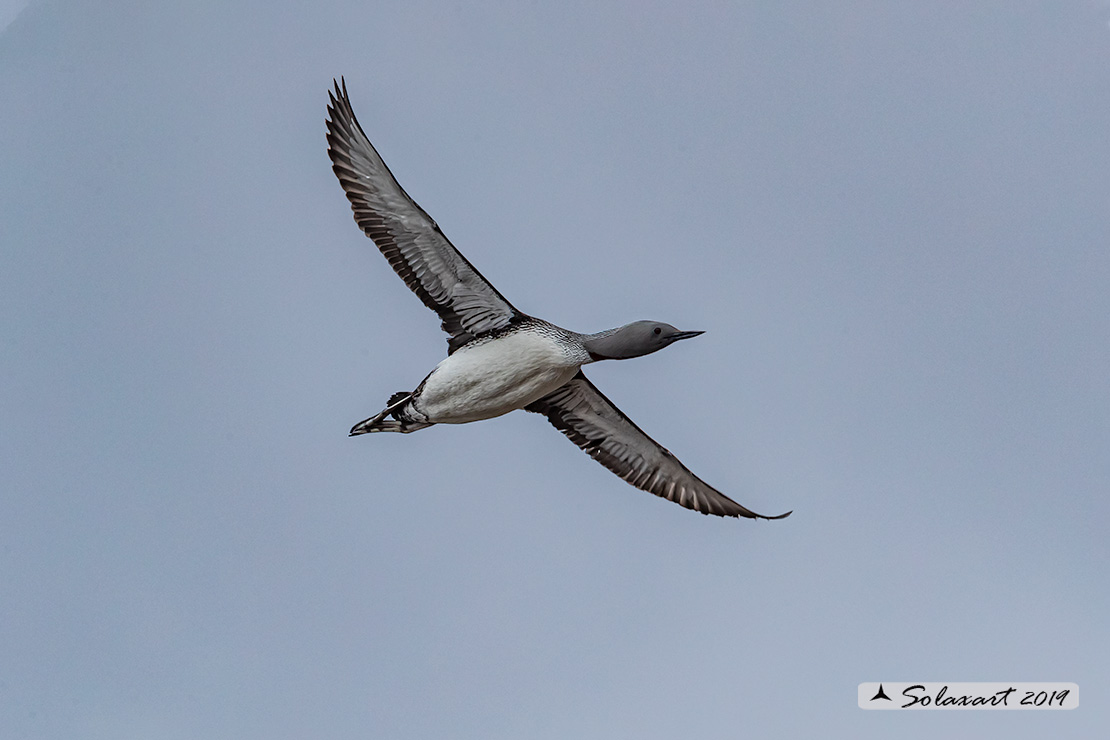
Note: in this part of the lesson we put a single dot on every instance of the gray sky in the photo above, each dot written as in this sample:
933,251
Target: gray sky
892,220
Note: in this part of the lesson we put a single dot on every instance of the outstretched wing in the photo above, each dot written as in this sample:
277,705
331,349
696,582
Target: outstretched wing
408,237
580,411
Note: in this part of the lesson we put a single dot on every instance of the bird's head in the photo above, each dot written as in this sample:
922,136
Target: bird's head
634,340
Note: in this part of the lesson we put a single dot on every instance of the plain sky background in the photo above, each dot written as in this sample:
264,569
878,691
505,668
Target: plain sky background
891,218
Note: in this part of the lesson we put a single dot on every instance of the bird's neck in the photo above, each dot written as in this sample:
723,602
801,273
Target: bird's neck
602,346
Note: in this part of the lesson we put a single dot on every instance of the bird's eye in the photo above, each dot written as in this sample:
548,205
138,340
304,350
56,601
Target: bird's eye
658,330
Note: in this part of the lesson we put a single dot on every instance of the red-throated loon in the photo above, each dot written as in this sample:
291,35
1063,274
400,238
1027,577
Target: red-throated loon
499,359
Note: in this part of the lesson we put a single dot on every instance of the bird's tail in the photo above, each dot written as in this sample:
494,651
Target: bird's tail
379,422
396,400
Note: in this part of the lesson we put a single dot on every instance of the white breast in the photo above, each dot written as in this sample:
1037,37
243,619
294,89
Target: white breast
493,378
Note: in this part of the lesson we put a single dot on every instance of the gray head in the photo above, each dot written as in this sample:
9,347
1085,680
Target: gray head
633,340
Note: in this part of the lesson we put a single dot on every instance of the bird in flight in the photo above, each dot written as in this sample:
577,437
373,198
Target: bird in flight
498,358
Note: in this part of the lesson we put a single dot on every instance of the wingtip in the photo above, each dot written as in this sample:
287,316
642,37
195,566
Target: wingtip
780,516
339,90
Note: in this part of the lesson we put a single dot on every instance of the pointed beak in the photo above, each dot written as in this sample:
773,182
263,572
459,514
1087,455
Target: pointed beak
685,335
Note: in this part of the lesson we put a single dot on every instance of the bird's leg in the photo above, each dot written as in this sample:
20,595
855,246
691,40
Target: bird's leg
378,422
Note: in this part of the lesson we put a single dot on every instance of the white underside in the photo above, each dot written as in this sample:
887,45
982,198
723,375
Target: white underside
494,378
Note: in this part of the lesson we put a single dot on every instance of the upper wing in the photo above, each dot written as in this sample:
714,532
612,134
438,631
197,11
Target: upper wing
408,237
580,411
